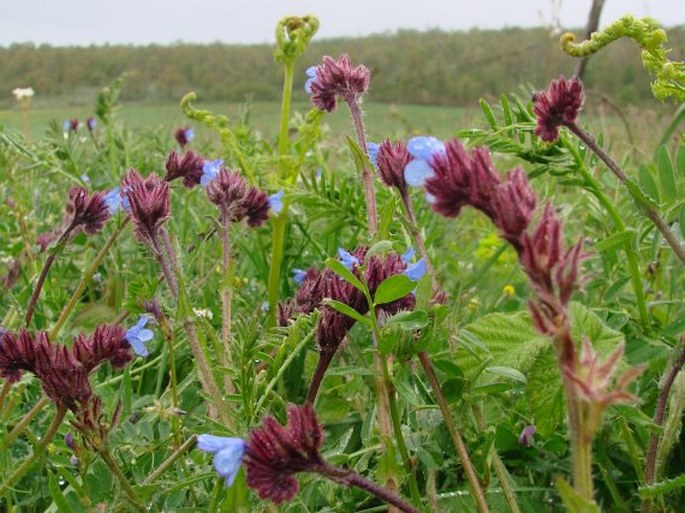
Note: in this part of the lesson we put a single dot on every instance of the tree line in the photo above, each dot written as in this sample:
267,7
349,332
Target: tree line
433,67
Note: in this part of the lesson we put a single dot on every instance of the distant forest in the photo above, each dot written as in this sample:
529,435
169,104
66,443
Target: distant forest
435,67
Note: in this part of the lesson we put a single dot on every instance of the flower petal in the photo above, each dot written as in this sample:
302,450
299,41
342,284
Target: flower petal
276,202
213,443
417,172
424,148
227,461
408,255
139,347
416,271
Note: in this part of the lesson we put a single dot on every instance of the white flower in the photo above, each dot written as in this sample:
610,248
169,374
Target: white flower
21,93
203,312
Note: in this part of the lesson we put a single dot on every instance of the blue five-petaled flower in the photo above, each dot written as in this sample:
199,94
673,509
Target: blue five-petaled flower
422,149
415,271
138,335
113,200
276,202
299,275
347,259
372,149
311,73
210,170
228,454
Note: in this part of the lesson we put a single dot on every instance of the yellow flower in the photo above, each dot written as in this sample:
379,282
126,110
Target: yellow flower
508,290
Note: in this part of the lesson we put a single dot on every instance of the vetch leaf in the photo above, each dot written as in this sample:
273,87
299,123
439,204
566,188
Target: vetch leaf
667,174
409,321
347,310
615,240
338,268
507,372
379,247
488,114
393,288
648,183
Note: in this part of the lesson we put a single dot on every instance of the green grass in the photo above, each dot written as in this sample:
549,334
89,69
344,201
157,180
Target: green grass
383,120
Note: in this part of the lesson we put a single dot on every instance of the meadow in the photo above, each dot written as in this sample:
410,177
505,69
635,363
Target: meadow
263,306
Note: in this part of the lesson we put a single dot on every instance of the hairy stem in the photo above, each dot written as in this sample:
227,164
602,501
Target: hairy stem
659,412
37,451
418,238
652,214
19,427
166,263
164,466
59,247
85,278
350,478
367,178
119,474
226,293
325,358
476,490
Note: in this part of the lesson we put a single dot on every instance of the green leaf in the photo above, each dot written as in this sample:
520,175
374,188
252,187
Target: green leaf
507,372
648,183
488,114
681,221
379,248
667,174
615,240
361,160
347,310
56,493
574,503
506,109
544,393
338,268
393,288
680,159
409,321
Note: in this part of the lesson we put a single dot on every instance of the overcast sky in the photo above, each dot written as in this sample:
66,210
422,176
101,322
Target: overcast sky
84,22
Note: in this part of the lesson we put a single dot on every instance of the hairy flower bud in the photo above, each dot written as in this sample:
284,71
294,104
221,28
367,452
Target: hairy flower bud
338,78
87,211
149,202
558,105
188,167
391,160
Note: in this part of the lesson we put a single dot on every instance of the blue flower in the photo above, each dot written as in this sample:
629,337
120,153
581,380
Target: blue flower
66,125
85,178
408,255
347,259
190,135
299,275
228,454
372,149
210,170
311,73
113,200
415,271
422,149
138,335
276,202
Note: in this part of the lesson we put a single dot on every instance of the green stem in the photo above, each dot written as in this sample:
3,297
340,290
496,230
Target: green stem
280,222
37,451
6,386
633,264
170,460
85,278
19,427
418,238
119,474
226,293
582,463
476,490
641,201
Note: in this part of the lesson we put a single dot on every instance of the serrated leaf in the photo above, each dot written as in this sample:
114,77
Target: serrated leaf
338,268
574,502
648,183
409,321
347,310
615,240
544,393
667,174
392,288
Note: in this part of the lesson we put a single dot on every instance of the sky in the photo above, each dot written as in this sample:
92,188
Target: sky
85,22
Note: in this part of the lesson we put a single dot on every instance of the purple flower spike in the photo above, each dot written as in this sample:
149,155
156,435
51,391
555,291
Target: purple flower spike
392,160
89,211
558,105
228,454
338,78
148,201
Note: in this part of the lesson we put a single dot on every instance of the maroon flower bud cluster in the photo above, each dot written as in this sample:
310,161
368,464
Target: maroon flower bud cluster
188,167
338,78
275,453
149,202
87,211
181,136
63,372
237,200
318,286
391,161
557,106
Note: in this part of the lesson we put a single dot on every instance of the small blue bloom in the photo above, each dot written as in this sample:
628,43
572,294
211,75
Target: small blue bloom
372,149
91,123
311,73
264,306
299,275
67,125
189,133
228,454
210,170
417,172
138,335
430,198
85,178
113,200
347,259
415,271
424,148
408,255
276,202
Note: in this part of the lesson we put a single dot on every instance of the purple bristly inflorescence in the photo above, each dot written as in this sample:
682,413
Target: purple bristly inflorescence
557,106
188,166
391,159
89,211
338,78
149,202
275,453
